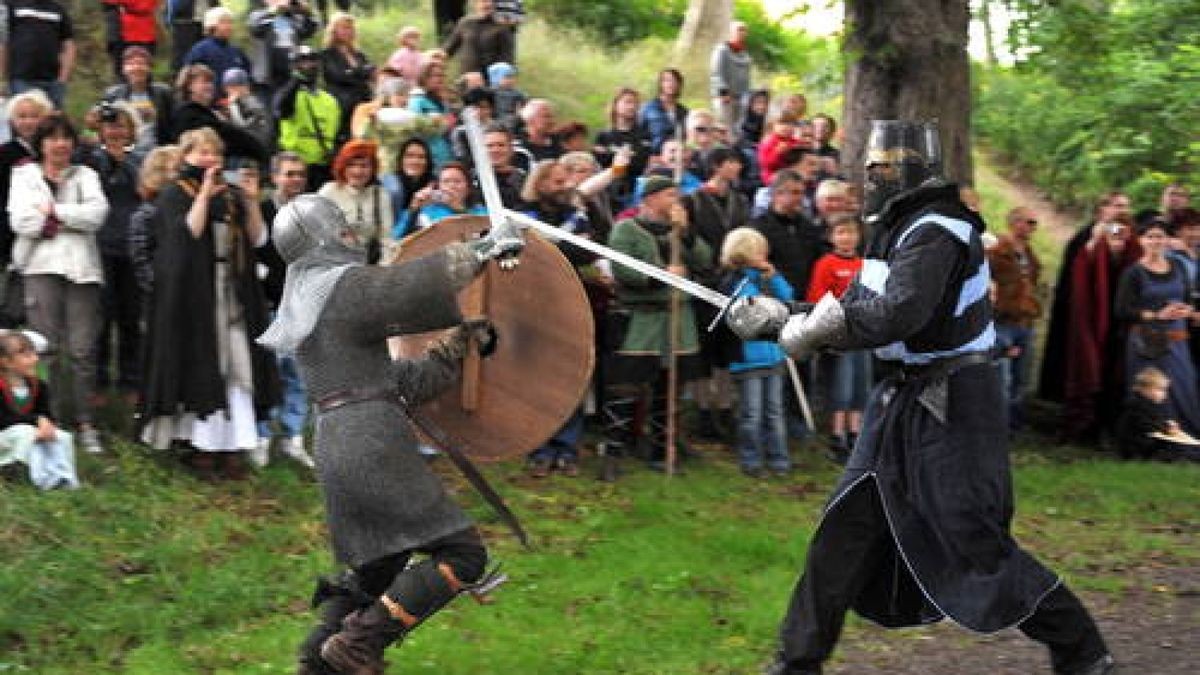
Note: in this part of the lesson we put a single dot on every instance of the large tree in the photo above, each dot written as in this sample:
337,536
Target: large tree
705,24
908,60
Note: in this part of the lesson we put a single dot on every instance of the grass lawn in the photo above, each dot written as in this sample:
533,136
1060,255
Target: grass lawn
149,571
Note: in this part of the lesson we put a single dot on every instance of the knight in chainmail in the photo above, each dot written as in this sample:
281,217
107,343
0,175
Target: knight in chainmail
917,530
384,505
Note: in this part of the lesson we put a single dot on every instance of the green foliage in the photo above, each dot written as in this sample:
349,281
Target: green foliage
1105,98
146,571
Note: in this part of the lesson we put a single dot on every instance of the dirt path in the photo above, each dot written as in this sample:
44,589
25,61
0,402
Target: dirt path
1059,225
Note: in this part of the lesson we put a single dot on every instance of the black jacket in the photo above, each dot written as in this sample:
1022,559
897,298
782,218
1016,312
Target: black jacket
796,244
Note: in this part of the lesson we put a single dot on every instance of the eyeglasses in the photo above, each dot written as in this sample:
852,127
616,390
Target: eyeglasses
1031,221
295,174
703,130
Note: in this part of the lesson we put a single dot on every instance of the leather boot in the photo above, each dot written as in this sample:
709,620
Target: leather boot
358,648
1105,665
233,466
333,611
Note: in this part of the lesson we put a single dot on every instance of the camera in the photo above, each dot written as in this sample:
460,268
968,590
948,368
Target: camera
107,112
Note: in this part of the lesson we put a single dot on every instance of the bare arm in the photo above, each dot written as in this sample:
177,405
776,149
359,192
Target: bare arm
66,60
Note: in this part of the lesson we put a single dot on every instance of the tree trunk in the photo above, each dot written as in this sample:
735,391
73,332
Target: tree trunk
908,60
705,24
989,38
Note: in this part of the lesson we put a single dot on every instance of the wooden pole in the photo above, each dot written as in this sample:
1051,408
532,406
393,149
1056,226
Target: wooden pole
676,260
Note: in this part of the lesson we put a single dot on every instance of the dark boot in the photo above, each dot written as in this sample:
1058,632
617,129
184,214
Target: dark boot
706,426
727,425
1105,665
233,466
333,611
203,465
780,667
358,648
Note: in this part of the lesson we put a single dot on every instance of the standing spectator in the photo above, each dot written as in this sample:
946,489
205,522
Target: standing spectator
1154,296
1077,339
774,147
660,115
701,138
624,132
846,375
446,15
480,40
729,75
28,433
151,101
759,365
413,171
206,381
55,208
278,29
643,353
1015,272
356,191
548,198
406,60
135,24
289,177
502,78
215,50
246,111
510,179
184,17
347,70
539,139
794,241
715,210
158,170
309,117
198,108
431,101
754,119
120,298
25,113
452,196
40,50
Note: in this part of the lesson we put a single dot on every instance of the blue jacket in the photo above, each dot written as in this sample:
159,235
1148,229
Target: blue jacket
760,353
219,56
659,123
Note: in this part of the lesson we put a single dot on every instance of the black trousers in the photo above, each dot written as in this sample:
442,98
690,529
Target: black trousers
843,554
121,304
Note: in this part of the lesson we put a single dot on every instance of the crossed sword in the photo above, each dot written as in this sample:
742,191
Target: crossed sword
498,215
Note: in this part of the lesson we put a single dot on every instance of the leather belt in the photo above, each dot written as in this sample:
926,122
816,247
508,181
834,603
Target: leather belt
1173,334
943,367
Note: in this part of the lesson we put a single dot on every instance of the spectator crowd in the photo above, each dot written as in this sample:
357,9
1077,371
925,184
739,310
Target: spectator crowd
137,239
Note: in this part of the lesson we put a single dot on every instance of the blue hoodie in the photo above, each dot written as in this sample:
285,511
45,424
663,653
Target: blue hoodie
757,354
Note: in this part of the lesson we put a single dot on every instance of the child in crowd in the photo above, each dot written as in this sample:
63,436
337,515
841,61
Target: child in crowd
509,100
847,376
759,372
27,432
406,60
1145,414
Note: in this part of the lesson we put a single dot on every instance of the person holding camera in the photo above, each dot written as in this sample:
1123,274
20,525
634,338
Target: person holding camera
278,29
117,164
152,101
56,207
452,196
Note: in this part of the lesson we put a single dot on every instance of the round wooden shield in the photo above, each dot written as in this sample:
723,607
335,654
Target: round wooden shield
514,400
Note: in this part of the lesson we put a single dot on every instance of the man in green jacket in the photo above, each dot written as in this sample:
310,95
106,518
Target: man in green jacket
644,352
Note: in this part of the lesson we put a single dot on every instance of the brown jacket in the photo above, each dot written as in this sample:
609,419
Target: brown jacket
1016,289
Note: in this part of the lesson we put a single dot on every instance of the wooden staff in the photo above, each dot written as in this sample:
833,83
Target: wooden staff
676,260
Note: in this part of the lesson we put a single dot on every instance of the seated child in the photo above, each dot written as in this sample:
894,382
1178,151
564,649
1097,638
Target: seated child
1145,414
27,433
759,373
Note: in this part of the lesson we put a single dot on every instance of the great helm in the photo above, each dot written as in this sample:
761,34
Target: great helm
901,156
311,223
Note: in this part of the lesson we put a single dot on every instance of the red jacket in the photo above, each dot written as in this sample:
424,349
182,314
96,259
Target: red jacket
832,274
137,19
771,150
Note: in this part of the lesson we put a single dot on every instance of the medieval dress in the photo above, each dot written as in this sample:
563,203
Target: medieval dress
206,382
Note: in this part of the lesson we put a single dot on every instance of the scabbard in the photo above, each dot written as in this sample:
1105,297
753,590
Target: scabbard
469,471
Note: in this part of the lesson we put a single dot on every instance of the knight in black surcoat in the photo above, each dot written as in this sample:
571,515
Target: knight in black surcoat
384,505
917,529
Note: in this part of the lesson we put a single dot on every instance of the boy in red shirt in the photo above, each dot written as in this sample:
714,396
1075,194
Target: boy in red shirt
845,376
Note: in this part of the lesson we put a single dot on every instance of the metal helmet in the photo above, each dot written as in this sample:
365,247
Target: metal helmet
311,223
901,156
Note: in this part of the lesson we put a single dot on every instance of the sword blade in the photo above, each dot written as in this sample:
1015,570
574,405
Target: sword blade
483,166
688,286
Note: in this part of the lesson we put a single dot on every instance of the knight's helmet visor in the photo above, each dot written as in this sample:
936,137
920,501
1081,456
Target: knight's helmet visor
900,156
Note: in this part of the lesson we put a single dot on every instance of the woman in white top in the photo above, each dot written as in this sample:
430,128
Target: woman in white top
356,191
55,209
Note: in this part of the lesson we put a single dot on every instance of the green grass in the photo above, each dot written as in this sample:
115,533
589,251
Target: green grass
148,571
